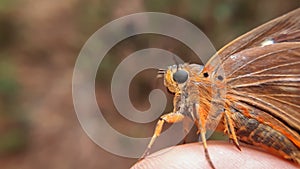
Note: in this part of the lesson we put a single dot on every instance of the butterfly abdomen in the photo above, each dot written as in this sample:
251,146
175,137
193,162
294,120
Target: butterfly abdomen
253,132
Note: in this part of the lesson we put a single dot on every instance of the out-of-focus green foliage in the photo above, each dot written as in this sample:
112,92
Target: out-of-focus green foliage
13,132
7,5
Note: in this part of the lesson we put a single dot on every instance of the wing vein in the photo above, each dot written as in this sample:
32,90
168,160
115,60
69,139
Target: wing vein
297,79
254,74
261,57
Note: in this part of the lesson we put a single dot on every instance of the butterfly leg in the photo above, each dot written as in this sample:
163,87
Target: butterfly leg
203,132
200,123
229,128
168,118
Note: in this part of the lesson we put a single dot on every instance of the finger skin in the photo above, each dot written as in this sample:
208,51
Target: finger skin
223,155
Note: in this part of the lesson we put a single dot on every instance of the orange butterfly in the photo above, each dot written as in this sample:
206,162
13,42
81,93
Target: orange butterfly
250,89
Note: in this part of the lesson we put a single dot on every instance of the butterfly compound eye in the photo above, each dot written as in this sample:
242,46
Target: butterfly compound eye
180,76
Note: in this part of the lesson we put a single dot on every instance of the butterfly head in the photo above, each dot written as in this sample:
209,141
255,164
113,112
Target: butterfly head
177,76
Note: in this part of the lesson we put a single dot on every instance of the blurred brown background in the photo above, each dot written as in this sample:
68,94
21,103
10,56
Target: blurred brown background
39,43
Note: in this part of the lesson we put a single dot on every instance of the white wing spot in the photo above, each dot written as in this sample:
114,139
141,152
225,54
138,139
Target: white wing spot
233,57
267,42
